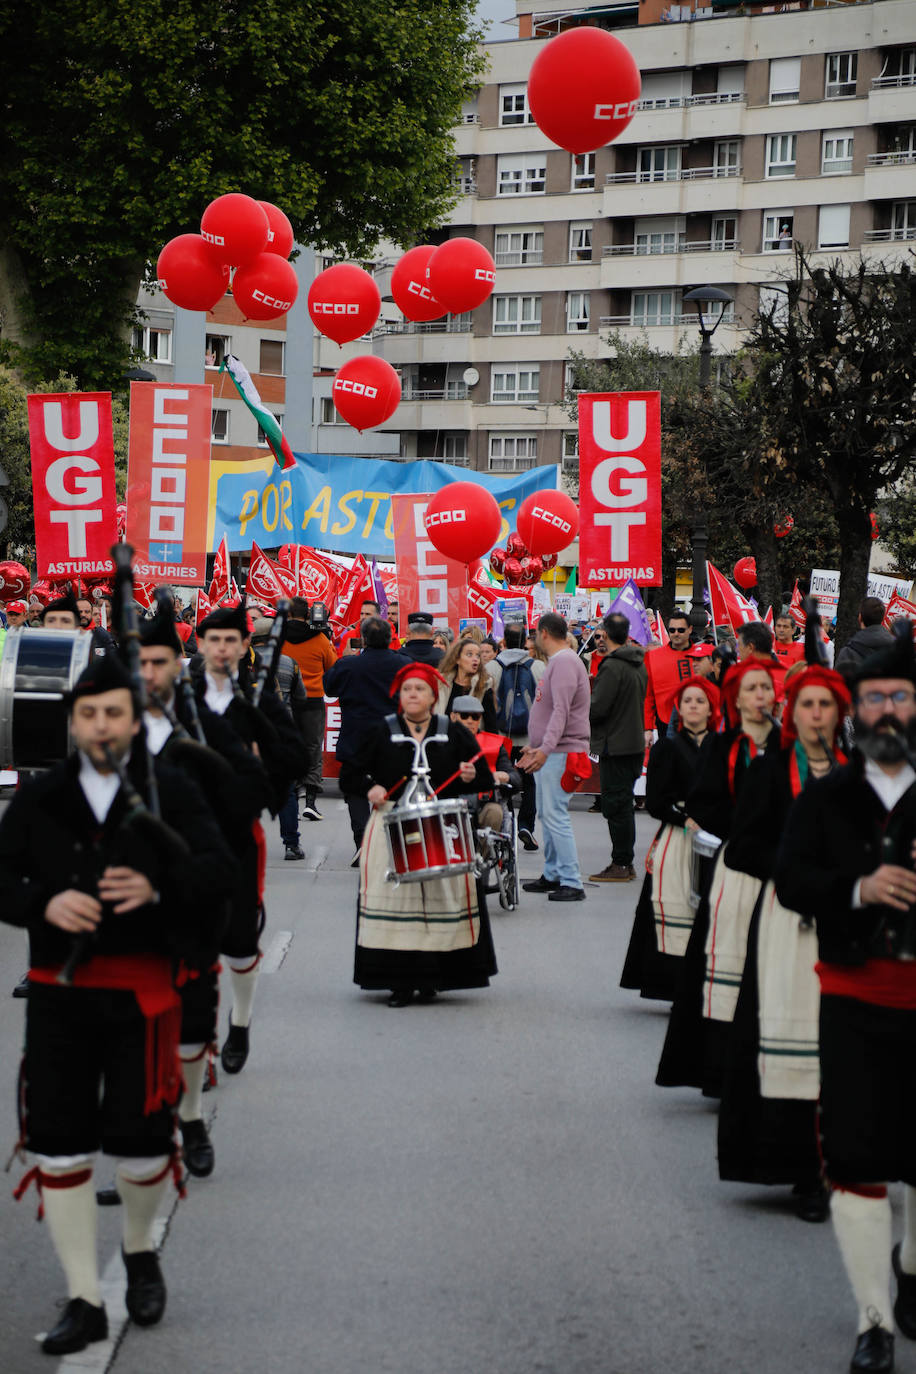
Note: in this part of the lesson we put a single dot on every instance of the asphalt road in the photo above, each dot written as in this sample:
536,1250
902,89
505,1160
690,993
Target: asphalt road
490,1183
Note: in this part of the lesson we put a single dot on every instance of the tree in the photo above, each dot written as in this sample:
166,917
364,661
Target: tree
122,120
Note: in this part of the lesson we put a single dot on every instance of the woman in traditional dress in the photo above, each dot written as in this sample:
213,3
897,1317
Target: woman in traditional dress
664,915
418,937
767,1116
464,675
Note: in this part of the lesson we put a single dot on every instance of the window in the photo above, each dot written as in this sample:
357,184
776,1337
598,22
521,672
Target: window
777,230
664,90
904,220
513,105
513,452
519,247
515,383
216,346
580,243
774,299
516,314
571,452
262,437
833,226
522,174
577,312
658,164
154,344
455,448
730,80
726,157
836,151
719,311
219,426
330,415
272,359
781,155
841,75
785,79
583,172
652,307
572,384
658,236
724,233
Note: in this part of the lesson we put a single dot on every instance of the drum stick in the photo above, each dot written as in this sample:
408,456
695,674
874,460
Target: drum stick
394,787
453,776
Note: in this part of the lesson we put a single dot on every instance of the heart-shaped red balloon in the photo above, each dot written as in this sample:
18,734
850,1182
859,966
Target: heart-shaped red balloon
512,570
515,545
14,581
498,561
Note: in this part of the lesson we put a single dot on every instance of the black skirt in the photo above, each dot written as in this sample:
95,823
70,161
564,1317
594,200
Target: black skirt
693,1055
653,974
384,969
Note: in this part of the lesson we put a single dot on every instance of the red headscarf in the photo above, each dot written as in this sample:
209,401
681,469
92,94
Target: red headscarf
733,680
814,676
424,671
711,692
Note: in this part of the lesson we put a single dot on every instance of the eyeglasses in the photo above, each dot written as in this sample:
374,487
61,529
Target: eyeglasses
879,698
468,715
679,629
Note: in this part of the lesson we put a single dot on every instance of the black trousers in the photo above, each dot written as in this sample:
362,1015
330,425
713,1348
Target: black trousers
618,773
311,727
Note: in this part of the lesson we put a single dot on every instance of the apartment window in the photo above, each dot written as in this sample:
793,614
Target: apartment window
577,312
455,448
777,230
785,79
833,226
515,383
583,172
272,358
519,247
652,307
774,300
516,314
572,383
513,452
216,346
840,81
570,462
154,344
903,221
726,157
659,164
219,426
724,233
836,151
781,155
658,236
522,174
730,80
513,105
580,243
719,311
330,415
664,90
262,437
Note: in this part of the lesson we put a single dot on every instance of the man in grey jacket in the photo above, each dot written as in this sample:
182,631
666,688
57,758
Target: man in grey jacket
617,737
868,638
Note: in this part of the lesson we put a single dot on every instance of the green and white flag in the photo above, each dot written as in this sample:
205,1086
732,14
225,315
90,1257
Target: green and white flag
265,418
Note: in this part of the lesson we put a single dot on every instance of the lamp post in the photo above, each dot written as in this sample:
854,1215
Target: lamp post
703,297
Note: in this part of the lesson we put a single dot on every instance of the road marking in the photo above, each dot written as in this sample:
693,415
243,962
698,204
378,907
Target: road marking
276,951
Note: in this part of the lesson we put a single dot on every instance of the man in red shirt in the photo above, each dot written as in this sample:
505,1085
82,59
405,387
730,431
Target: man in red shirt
667,667
786,648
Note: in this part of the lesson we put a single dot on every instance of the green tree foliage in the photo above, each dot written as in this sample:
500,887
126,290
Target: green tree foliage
123,120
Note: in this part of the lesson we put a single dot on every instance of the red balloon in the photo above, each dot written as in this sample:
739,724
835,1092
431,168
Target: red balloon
265,289
515,545
875,528
461,274
498,561
344,302
745,573
550,560
188,274
532,565
548,521
236,227
463,521
279,232
513,571
14,581
583,89
783,527
366,391
409,287
41,593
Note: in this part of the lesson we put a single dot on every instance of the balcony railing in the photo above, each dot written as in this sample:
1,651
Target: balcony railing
890,235
533,257
679,102
458,392
423,327
640,250
897,159
466,186
666,322
883,82
678,174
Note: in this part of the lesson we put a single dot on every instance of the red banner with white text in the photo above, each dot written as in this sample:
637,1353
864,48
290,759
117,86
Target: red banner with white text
73,483
620,488
427,580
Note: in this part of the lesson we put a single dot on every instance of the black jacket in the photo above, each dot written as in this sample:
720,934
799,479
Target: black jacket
422,651
760,815
236,784
864,642
673,763
710,801
618,702
362,684
389,764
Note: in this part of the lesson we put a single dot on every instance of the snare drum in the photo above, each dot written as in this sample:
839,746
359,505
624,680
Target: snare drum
429,839
705,848
37,668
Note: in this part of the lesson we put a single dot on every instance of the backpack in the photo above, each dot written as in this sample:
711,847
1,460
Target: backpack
514,697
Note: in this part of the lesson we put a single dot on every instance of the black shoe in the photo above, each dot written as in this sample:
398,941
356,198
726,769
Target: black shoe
905,1305
293,851
235,1050
874,1352
197,1148
426,994
541,884
310,811
80,1324
812,1203
400,997
528,841
595,808
567,894
22,987
108,1197
145,1296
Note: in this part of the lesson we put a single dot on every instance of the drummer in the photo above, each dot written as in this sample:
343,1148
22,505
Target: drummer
418,937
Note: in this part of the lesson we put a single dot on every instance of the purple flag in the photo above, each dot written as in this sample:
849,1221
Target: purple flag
630,603
379,586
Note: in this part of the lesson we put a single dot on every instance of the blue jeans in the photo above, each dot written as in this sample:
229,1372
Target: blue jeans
288,816
561,862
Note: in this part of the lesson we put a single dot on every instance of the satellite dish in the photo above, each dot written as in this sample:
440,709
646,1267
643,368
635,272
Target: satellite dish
470,376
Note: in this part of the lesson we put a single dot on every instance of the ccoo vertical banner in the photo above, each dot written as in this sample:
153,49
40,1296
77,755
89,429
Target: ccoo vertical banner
620,488
168,482
73,483
427,580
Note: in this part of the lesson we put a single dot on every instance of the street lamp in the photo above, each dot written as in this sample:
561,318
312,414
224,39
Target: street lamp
703,297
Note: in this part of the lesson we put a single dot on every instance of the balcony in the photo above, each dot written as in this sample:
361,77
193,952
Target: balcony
465,186
889,235
663,322
905,157
883,83
454,391
681,246
422,327
683,102
681,174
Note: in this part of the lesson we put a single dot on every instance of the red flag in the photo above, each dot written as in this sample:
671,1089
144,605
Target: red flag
899,607
796,607
222,584
355,588
145,594
203,606
727,604
660,629
768,618
263,583
317,578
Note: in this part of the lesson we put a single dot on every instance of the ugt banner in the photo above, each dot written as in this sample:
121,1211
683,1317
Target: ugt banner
620,488
427,580
168,480
73,483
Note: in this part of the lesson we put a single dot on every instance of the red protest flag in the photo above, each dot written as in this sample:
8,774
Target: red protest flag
726,603
263,583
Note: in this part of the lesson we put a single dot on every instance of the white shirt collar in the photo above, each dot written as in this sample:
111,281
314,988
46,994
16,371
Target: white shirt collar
889,787
99,789
219,693
158,730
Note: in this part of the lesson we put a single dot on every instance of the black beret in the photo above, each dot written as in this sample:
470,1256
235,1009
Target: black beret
105,673
226,618
160,629
63,603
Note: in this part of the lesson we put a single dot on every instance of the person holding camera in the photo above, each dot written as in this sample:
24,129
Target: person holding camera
307,642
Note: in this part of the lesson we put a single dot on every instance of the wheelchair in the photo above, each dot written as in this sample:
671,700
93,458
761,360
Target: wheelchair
497,856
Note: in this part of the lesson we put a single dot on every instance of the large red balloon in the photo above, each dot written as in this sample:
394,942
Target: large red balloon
366,391
236,227
461,274
280,231
745,573
548,521
583,89
188,274
14,581
344,302
463,521
265,289
409,286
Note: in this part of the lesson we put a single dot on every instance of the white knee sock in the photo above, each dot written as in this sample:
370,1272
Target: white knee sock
863,1231
72,1218
193,1069
141,1184
908,1244
244,981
